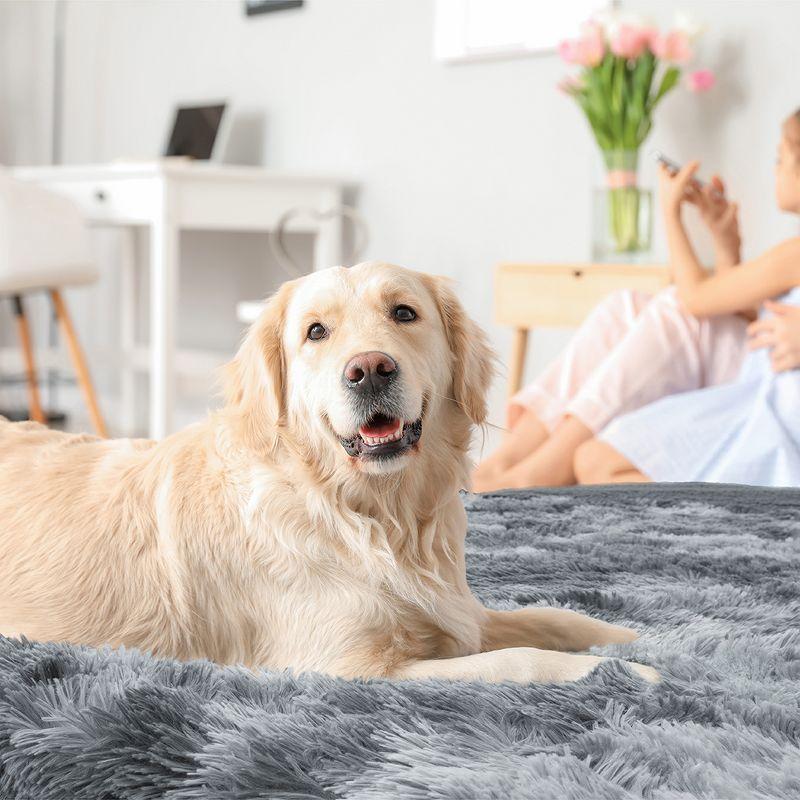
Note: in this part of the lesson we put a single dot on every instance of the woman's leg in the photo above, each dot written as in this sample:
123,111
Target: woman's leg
597,461
704,352
664,351
537,412
551,464
526,435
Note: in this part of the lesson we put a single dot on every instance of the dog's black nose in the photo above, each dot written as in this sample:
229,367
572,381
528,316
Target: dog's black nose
369,372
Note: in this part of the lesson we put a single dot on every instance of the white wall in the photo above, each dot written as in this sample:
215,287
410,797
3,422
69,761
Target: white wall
459,166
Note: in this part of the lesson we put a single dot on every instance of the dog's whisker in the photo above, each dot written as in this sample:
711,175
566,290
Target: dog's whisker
486,424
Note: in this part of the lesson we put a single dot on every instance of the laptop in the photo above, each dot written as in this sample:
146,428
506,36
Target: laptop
197,132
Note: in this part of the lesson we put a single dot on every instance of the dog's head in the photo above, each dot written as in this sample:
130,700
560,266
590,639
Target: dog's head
365,367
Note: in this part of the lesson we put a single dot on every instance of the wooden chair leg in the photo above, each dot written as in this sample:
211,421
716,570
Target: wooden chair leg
78,361
23,329
516,366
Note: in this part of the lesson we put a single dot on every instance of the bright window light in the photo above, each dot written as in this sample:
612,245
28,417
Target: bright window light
470,30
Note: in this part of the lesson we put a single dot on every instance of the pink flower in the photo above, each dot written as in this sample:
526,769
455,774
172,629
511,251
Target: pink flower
588,51
570,85
593,45
568,50
672,46
630,41
700,81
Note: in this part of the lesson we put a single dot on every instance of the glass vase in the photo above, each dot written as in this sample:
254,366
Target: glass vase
622,213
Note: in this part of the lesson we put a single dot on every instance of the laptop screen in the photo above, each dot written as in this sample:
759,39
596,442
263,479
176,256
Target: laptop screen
194,131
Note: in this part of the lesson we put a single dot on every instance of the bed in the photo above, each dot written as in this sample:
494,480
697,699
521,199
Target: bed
708,574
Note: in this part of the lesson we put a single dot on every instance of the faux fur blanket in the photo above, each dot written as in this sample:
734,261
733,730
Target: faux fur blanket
709,575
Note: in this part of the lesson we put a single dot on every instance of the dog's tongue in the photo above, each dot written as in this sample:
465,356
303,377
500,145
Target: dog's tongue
380,426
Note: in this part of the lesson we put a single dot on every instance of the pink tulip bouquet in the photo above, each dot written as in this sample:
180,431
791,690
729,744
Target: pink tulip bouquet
627,67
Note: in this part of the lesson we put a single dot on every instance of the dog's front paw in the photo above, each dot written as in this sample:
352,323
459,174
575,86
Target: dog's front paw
643,671
606,633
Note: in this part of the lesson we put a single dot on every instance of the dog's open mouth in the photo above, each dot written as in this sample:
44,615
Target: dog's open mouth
383,437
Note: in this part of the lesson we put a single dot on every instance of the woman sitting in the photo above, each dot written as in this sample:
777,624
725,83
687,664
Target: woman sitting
631,351
747,431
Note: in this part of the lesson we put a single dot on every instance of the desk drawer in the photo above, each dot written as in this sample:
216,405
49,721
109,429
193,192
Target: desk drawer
121,201
561,295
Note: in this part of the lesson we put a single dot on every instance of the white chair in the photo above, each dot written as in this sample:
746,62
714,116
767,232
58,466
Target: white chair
44,246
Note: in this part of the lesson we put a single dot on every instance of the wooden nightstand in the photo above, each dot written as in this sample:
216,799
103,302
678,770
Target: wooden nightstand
559,296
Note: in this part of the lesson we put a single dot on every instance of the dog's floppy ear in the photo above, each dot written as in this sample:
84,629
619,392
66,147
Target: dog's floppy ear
472,358
255,381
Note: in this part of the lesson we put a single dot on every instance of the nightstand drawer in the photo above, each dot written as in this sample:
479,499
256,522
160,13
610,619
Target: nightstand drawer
561,295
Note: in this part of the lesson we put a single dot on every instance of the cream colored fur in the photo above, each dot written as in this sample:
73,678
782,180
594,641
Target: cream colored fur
253,537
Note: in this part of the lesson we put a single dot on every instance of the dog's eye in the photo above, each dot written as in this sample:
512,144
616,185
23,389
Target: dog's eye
316,332
404,314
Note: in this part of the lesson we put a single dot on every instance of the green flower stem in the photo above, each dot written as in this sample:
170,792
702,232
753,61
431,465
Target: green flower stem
623,218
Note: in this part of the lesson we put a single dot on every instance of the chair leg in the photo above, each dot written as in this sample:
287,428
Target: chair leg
23,329
516,366
78,361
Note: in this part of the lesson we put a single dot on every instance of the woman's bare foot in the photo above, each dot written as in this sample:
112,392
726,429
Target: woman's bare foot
527,434
550,464
485,479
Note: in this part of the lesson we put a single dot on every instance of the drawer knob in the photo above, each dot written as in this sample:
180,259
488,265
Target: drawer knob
100,195
577,273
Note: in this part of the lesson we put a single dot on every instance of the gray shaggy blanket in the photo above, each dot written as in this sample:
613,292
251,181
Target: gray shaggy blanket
709,575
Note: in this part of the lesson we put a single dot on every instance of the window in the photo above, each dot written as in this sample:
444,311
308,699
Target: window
470,30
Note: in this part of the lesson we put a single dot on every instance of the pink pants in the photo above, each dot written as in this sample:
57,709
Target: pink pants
634,348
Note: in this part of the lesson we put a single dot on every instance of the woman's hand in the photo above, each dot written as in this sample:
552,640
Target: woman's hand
719,215
677,187
717,212
781,333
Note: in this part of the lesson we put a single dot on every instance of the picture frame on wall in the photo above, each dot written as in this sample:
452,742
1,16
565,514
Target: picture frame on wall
252,7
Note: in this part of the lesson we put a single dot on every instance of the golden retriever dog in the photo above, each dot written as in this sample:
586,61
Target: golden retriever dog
313,523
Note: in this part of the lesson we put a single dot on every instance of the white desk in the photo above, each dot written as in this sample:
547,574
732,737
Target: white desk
173,195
